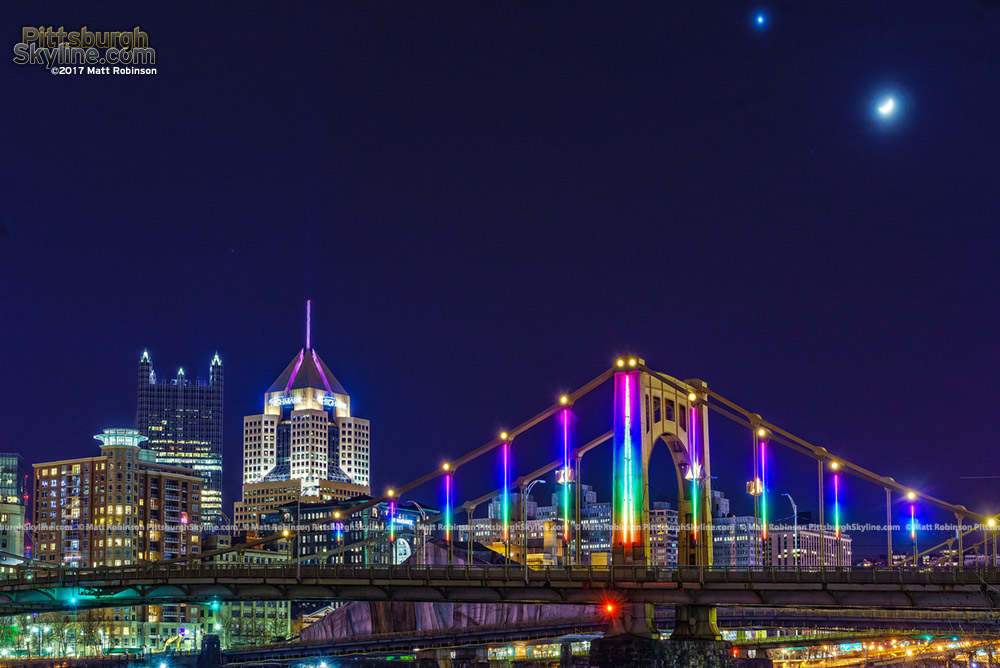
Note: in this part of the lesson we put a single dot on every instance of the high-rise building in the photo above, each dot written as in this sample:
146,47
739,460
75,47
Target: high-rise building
720,504
12,506
182,420
803,547
115,509
736,541
663,529
93,511
306,431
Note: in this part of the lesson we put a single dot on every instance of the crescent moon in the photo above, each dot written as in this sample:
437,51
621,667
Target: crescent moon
887,106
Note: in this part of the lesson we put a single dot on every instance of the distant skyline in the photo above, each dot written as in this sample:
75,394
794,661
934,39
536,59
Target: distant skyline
488,204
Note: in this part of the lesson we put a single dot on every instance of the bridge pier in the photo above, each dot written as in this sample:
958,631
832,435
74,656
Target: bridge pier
633,642
211,652
695,622
635,620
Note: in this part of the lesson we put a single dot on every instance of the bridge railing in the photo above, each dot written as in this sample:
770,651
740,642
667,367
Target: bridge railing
499,574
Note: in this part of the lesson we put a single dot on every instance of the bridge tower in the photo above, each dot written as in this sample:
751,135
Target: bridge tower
652,409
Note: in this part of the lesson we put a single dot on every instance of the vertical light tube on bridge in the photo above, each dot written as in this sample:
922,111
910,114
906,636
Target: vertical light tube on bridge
693,448
567,475
627,501
505,496
763,489
392,521
447,506
913,523
836,508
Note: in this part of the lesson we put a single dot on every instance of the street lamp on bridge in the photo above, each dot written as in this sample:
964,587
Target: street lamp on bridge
795,530
525,491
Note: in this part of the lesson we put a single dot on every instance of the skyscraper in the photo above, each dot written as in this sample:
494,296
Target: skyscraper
183,421
306,431
12,505
117,508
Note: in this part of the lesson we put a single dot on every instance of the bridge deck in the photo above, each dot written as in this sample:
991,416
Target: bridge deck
927,588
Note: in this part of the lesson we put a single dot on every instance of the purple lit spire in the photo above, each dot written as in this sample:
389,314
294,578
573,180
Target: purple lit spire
319,367
308,322
298,363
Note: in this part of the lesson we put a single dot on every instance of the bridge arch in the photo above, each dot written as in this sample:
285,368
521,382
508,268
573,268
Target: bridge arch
652,408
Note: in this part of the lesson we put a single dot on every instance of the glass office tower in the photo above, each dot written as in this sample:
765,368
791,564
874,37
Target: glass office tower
182,419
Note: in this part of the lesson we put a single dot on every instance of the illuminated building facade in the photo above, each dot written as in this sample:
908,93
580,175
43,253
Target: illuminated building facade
261,497
306,431
735,541
401,521
663,534
804,548
120,491
182,420
115,509
12,506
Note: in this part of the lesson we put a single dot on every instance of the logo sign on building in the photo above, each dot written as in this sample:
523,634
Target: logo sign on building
333,402
285,401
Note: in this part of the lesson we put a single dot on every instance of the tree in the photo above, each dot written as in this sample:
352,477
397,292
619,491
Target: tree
61,625
12,630
90,624
228,626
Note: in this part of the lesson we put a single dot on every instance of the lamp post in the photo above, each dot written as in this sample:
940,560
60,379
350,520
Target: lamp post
470,510
888,527
423,528
991,523
525,491
229,525
795,530
578,508
298,544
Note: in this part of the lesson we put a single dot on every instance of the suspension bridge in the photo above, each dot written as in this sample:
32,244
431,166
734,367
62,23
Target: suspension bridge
650,410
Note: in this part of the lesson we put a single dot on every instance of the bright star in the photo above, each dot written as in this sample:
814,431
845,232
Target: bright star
760,20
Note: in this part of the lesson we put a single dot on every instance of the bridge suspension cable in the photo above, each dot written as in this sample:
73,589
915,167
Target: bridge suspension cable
720,405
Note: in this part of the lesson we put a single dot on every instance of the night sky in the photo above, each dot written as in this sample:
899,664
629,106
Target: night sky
487,202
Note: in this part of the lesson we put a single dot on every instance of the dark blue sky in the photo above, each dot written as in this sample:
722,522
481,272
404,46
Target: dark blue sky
488,202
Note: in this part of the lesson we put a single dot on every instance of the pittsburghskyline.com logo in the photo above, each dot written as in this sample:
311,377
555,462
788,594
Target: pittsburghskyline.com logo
85,51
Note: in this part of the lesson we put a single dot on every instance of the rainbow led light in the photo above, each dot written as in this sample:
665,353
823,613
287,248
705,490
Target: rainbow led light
627,468
338,529
392,521
913,521
693,441
447,506
836,504
505,497
566,472
763,489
